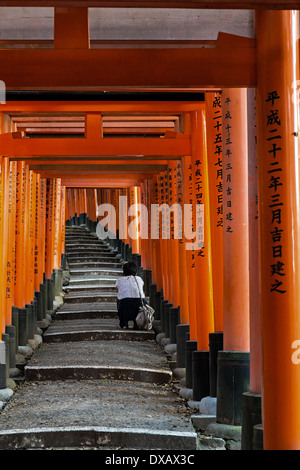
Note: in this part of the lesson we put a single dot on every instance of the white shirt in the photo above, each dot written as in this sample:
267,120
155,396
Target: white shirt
127,287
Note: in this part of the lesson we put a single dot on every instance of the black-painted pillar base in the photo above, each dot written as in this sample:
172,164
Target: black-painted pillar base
157,304
258,437
10,330
191,345
181,332
40,307
215,345
23,326
147,273
5,339
82,219
163,303
174,320
44,296
30,310
167,308
15,324
50,293
232,381
2,374
152,290
64,261
251,408
200,374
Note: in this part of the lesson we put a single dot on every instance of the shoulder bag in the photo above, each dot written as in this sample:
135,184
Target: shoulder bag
145,316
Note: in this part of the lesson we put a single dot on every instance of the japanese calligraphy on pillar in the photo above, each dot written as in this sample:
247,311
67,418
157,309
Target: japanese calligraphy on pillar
162,202
227,166
275,184
171,199
155,214
36,230
11,248
166,219
190,202
179,195
217,126
199,195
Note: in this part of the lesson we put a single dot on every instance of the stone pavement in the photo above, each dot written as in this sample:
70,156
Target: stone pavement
90,384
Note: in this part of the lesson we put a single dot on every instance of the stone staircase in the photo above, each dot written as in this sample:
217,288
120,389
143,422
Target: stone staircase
91,385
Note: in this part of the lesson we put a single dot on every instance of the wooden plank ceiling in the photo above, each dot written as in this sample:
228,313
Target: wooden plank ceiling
39,125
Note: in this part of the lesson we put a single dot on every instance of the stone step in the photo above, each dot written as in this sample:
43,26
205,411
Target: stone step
90,288
97,264
78,272
95,296
93,280
91,256
93,241
89,414
97,437
95,329
89,247
121,355
83,237
86,310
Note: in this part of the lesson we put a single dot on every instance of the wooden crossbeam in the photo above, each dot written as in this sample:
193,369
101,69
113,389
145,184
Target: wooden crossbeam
55,107
199,4
229,64
65,19
24,147
86,183
100,169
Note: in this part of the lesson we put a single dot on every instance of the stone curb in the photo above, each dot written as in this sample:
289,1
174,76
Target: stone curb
80,372
41,438
116,335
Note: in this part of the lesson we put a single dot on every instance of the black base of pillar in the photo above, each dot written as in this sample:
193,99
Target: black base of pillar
200,374
167,308
82,219
191,345
258,437
30,311
5,339
174,320
232,381
157,304
64,261
10,330
23,326
163,303
15,324
50,293
181,331
147,280
40,306
2,376
215,345
251,408
44,292
152,290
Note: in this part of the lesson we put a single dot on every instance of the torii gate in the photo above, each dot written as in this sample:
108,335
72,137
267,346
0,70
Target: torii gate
271,64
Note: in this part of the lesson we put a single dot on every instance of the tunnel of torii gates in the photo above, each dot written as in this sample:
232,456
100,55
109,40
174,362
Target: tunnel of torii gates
235,152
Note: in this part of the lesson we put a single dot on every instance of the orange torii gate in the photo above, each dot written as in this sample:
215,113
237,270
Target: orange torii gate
233,65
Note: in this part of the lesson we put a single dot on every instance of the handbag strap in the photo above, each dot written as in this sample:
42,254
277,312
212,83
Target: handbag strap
138,289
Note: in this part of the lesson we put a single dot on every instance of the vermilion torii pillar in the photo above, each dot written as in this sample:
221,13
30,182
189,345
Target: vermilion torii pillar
233,361
279,219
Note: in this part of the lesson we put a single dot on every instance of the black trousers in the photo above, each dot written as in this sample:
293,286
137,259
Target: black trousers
127,310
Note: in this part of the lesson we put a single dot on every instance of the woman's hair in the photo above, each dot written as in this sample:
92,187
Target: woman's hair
129,269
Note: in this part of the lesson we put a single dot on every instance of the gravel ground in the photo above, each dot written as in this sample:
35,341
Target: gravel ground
96,403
